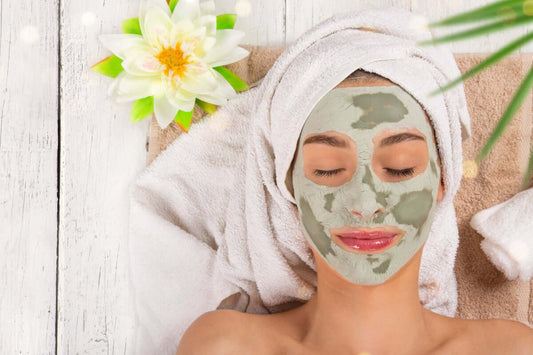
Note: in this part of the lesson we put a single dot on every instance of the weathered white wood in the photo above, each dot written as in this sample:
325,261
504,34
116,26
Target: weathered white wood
303,14
265,25
435,10
28,176
101,154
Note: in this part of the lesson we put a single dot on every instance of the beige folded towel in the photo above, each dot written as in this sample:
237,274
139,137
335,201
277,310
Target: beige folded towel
484,291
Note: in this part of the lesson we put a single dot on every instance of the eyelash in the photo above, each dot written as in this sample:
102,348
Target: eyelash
328,173
403,172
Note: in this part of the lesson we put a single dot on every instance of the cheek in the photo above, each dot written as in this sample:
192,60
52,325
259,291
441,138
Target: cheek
414,201
318,206
413,208
314,227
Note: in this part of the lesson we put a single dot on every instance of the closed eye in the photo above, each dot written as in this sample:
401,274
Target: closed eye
328,173
402,172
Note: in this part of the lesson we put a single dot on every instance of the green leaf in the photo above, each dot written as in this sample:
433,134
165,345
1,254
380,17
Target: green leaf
495,57
142,108
183,119
507,116
226,21
172,4
132,26
529,171
237,83
110,66
206,106
479,31
490,11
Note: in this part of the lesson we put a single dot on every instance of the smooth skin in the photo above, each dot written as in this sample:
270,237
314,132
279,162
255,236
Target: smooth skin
347,318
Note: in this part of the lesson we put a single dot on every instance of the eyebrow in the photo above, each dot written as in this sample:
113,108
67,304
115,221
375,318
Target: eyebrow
325,139
397,138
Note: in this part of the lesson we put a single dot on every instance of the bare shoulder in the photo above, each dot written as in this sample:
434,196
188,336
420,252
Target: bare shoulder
215,332
501,336
519,336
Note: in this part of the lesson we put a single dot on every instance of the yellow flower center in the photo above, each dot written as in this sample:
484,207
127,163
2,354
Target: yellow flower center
174,60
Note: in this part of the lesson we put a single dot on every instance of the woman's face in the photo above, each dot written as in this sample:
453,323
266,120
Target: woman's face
366,180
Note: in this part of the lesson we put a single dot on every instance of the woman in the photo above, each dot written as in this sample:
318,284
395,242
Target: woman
234,215
360,310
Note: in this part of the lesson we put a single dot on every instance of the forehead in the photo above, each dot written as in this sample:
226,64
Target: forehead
355,109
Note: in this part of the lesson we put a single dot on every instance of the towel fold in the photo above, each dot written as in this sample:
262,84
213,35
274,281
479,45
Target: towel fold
213,223
508,231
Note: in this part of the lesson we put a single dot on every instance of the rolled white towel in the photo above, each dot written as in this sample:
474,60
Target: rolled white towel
508,232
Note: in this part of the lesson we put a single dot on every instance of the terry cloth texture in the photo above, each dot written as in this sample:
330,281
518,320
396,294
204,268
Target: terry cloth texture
212,221
508,232
483,291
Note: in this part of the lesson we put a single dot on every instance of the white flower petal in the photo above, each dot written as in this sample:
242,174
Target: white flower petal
164,111
146,5
179,31
189,42
198,34
124,45
235,55
223,92
227,41
210,24
156,28
212,99
199,84
182,99
182,96
205,46
149,5
142,65
223,86
128,87
186,9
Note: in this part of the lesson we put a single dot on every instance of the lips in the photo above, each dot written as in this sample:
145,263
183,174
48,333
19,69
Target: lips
366,239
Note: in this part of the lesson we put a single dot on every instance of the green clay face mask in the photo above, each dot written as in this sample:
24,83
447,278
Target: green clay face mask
365,186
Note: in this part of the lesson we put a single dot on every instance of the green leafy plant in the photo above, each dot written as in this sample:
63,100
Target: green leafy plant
497,16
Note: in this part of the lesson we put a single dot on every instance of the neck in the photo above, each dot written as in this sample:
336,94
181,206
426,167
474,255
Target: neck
379,319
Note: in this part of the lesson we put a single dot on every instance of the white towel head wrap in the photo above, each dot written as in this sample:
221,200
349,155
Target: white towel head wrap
213,216
382,42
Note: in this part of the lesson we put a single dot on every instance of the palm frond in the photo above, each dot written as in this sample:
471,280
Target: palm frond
527,176
482,30
495,57
488,12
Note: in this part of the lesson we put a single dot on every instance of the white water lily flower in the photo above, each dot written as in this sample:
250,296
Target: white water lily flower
173,60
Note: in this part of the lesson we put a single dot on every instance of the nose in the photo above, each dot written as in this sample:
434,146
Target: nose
366,216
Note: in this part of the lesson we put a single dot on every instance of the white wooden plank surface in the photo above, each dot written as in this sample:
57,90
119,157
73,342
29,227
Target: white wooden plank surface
435,10
265,24
303,14
101,154
28,166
